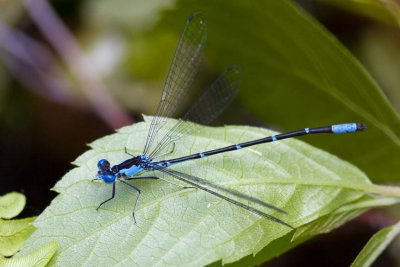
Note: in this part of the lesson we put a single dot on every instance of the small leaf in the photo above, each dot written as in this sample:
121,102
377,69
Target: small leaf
376,245
187,227
11,205
13,234
38,258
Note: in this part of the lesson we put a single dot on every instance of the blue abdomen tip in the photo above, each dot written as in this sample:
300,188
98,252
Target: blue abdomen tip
344,128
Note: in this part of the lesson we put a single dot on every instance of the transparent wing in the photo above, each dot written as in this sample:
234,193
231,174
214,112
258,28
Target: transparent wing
201,183
208,107
180,76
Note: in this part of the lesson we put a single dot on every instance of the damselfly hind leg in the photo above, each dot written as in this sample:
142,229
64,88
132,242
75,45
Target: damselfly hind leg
137,199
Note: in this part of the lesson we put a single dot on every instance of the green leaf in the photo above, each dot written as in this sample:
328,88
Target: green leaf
38,258
346,213
296,75
321,225
187,227
11,205
376,245
13,234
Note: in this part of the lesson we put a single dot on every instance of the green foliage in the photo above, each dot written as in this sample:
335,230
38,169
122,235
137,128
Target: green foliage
296,74
187,227
13,233
343,214
11,205
376,245
38,258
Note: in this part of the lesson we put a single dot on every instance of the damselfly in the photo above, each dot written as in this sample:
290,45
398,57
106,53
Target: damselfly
207,107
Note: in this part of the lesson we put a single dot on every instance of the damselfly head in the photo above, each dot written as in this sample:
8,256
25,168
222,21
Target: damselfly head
105,173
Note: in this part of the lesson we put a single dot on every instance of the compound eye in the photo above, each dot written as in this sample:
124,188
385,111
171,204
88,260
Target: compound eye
103,164
108,178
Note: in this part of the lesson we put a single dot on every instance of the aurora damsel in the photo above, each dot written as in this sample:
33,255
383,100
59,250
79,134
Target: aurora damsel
203,111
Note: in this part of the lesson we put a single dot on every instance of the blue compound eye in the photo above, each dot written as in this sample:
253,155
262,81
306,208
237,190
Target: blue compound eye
103,164
108,178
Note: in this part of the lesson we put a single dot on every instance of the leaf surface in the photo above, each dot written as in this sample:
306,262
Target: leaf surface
187,227
38,258
13,233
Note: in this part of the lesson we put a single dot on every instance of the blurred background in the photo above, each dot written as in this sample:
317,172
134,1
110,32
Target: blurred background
74,71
